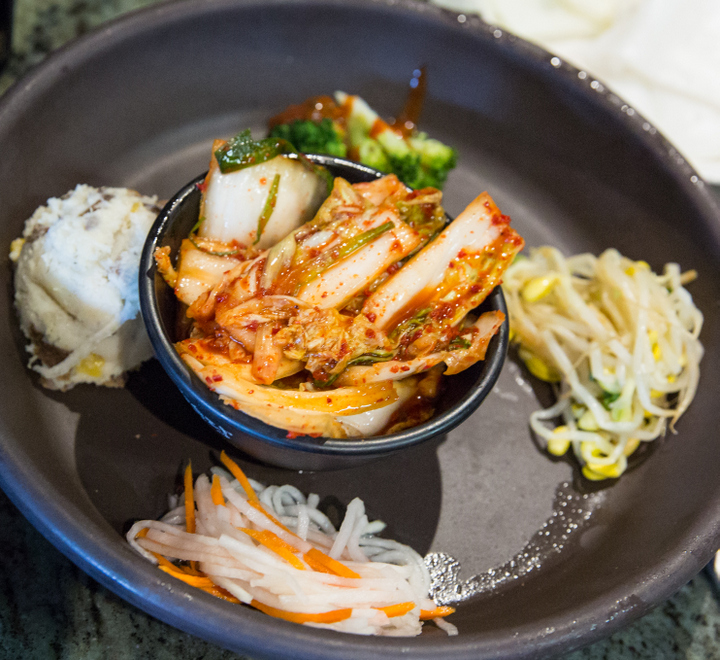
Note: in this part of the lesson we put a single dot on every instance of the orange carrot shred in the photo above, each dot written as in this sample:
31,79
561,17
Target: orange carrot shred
142,533
236,472
317,566
398,609
221,593
192,580
438,612
331,564
301,617
276,544
216,491
189,500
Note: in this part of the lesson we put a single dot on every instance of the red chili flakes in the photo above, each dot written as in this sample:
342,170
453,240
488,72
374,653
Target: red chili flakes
404,368
394,369
217,378
462,254
291,435
208,380
475,288
274,331
263,181
202,186
329,399
370,333
371,316
324,294
391,269
251,391
315,435
192,348
451,264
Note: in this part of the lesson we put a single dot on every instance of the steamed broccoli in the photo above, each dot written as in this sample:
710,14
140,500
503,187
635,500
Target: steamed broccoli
418,161
324,137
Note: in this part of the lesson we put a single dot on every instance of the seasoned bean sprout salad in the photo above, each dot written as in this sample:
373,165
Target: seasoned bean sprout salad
272,548
620,343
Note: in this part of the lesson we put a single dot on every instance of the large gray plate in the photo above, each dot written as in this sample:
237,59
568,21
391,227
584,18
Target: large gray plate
137,104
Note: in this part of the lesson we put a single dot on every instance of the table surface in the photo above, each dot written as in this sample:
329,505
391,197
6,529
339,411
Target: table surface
50,609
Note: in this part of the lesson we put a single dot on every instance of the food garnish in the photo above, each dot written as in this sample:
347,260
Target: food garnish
618,341
273,549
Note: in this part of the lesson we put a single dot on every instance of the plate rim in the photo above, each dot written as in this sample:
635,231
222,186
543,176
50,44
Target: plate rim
112,567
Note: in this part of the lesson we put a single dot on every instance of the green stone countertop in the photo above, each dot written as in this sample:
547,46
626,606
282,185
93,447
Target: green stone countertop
50,609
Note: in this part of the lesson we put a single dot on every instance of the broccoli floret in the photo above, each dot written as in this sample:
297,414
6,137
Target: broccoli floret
418,161
436,160
370,153
309,137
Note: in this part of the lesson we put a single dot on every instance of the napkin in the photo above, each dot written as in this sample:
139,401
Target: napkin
661,56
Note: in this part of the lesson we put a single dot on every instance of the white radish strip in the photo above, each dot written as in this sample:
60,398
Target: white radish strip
303,522
353,548
354,510
177,551
234,588
474,229
214,569
255,558
448,627
261,520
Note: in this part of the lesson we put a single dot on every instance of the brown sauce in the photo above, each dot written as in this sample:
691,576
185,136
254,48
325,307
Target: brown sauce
316,108
406,122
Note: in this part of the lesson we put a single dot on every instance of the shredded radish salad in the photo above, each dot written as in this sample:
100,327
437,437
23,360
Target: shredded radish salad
272,548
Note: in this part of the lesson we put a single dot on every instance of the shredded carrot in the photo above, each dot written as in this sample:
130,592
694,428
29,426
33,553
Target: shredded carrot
192,580
437,613
236,472
219,592
142,533
189,500
301,617
164,562
216,491
276,544
398,609
332,565
317,566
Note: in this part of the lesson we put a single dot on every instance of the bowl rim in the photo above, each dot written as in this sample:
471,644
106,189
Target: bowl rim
223,417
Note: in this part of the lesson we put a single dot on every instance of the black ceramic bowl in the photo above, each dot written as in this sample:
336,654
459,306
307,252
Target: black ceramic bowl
463,393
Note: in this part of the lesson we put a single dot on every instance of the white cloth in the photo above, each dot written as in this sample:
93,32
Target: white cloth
661,56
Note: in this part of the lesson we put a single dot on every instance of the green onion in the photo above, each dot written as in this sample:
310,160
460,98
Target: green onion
242,151
268,208
363,239
372,358
353,244
458,343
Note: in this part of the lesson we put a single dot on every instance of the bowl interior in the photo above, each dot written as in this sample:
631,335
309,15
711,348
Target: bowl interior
463,392
565,159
